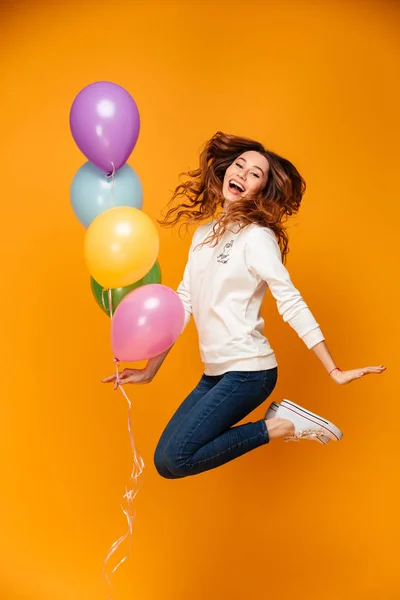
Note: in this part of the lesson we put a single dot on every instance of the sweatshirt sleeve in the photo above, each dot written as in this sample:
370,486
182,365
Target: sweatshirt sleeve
263,257
183,289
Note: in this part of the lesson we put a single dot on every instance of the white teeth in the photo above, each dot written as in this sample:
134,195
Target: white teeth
237,184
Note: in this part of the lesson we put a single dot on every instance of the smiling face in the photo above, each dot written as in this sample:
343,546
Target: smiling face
246,176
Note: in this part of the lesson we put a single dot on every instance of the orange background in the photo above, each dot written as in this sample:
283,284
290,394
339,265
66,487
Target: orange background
317,83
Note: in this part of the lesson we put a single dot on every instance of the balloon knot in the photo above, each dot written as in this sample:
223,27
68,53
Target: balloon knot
110,174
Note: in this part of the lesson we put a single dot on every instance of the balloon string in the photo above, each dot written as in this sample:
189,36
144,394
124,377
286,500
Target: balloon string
112,175
112,189
131,490
110,303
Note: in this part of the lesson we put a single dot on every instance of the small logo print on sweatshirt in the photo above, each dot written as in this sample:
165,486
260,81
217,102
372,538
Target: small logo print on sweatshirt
226,253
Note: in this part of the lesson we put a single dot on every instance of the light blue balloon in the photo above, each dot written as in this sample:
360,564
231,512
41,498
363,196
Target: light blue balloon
92,191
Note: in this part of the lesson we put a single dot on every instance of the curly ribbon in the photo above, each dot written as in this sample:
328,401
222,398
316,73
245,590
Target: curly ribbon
111,175
131,490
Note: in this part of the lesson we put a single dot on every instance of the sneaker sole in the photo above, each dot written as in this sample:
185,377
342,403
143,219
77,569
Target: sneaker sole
333,432
271,413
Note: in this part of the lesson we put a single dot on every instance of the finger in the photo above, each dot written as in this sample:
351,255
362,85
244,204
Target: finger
125,380
109,379
130,379
124,373
358,373
374,373
123,377
375,370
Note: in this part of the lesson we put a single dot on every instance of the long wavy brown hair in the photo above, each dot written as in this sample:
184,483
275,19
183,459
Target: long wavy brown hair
200,196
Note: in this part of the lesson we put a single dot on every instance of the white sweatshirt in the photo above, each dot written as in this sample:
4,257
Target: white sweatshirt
224,286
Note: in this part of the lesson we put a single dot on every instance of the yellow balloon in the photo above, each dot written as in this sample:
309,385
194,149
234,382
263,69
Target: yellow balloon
121,246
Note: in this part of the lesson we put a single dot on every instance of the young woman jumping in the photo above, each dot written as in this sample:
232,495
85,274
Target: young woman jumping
248,193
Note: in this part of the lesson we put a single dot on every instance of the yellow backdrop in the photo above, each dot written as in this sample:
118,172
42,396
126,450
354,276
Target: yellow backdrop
316,82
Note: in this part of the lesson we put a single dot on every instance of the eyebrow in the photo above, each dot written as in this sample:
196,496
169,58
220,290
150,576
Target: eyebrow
255,166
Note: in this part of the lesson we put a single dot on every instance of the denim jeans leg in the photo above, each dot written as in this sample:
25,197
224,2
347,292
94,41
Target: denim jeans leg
205,385
207,437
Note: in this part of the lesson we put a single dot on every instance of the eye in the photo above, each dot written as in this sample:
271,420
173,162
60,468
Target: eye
239,165
256,175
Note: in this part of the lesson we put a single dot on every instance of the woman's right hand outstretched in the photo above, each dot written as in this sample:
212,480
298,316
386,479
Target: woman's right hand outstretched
129,376
145,375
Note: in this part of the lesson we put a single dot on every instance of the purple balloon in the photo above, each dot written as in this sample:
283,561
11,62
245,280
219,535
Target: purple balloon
105,123
146,322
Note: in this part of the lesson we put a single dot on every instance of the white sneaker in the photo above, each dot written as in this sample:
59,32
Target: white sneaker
307,424
271,414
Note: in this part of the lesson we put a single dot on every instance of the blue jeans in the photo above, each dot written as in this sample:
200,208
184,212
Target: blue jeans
200,435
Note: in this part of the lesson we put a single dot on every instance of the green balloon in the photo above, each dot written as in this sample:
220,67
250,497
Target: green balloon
101,297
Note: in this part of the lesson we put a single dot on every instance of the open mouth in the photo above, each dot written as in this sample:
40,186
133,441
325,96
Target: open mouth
236,187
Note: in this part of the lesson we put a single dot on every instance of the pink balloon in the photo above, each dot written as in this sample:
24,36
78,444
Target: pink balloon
147,322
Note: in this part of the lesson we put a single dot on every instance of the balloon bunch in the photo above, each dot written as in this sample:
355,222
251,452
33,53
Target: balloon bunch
121,247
